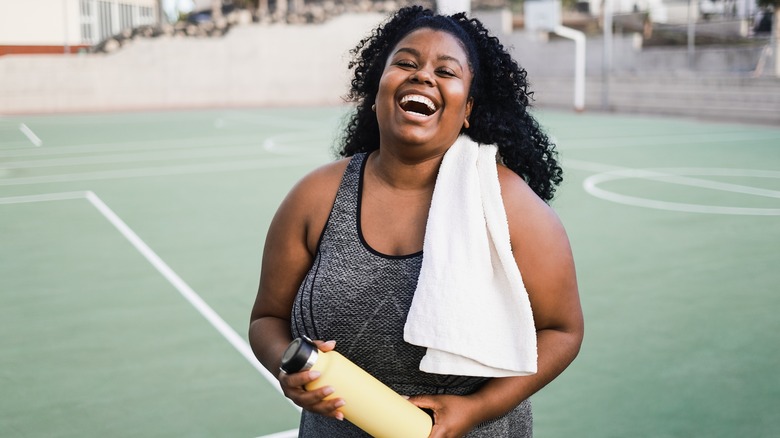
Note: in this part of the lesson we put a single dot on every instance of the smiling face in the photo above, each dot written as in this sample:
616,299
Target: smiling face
423,96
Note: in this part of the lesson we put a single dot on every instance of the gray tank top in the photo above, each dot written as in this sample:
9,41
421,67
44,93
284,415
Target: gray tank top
360,297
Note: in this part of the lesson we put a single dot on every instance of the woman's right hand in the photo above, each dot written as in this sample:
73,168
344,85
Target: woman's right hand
314,401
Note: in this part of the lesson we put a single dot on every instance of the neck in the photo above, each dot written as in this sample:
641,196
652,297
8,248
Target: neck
404,173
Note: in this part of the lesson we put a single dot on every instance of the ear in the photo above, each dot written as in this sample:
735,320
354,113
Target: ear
469,106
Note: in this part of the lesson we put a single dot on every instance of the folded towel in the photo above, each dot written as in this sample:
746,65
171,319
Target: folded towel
470,309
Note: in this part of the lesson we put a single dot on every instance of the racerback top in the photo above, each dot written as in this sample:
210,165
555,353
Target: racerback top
360,298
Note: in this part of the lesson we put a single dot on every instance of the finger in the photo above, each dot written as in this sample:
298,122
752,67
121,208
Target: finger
319,398
424,402
325,345
315,400
298,379
321,402
310,400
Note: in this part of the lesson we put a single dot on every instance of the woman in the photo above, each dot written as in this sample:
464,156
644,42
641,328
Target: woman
344,251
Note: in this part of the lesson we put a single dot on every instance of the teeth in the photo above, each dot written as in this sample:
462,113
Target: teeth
419,99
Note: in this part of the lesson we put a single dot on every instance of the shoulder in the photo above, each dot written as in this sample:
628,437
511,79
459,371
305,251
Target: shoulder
308,204
518,195
317,188
531,220
540,246
324,178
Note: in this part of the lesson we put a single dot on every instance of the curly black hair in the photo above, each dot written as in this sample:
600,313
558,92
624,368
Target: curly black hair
499,90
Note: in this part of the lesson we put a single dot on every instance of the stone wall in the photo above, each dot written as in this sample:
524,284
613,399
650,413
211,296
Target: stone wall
253,65
285,65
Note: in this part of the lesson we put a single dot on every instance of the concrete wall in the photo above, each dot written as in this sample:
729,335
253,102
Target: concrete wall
556,57
260,65
252,65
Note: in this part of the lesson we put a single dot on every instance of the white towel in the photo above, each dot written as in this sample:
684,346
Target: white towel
470,309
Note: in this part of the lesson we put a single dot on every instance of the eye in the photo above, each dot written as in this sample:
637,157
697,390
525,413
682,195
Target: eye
446,72
404,63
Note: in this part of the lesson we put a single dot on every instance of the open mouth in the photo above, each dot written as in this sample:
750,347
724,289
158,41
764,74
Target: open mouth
417,105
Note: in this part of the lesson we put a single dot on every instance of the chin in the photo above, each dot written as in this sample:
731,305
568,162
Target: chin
412,139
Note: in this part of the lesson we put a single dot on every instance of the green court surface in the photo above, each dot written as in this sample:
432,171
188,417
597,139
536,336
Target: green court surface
131,246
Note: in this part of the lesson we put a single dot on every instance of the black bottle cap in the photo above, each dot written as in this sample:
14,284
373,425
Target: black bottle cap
298,354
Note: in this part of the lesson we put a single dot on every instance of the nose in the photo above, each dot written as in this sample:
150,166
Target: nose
422,77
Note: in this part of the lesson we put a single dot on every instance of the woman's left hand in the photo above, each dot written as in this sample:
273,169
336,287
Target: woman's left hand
453,416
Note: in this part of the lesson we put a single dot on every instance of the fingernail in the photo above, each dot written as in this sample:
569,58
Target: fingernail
330,342
339,416
314,374
327,391
405,396
340,403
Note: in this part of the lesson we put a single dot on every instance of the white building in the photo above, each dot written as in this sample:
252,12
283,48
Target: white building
60,26
676,11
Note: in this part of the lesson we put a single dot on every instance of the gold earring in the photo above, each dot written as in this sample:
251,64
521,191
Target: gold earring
466,123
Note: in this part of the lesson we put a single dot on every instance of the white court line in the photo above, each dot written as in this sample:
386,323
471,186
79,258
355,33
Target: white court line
610,173
141,156
276,121
666,175
663,140
252,150
240,139
137,145
34,139
43,197
590,166
185,169
181,286
289,144
268,118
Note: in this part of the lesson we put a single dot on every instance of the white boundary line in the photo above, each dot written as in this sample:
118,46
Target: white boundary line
590,166
287,144
34,139
143,172
609,173
178,143
181,286
43,197
663,140
243,151
673,176
246,151
137,145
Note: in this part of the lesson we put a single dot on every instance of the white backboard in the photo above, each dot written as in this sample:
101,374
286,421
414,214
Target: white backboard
542,15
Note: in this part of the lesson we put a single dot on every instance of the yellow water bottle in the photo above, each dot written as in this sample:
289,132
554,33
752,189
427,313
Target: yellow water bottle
370,404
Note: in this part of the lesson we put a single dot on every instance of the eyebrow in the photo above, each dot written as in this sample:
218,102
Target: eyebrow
416,52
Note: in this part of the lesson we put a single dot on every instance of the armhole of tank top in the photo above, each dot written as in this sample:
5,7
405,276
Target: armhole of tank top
333,207
359,225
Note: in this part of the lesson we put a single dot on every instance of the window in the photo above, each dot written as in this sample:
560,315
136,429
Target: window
87,9
101,19
147,15
125,16
106,19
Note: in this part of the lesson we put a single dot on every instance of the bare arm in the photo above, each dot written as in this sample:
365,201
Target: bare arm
543,254
288,254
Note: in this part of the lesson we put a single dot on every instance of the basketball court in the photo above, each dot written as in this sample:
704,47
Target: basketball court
131,248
